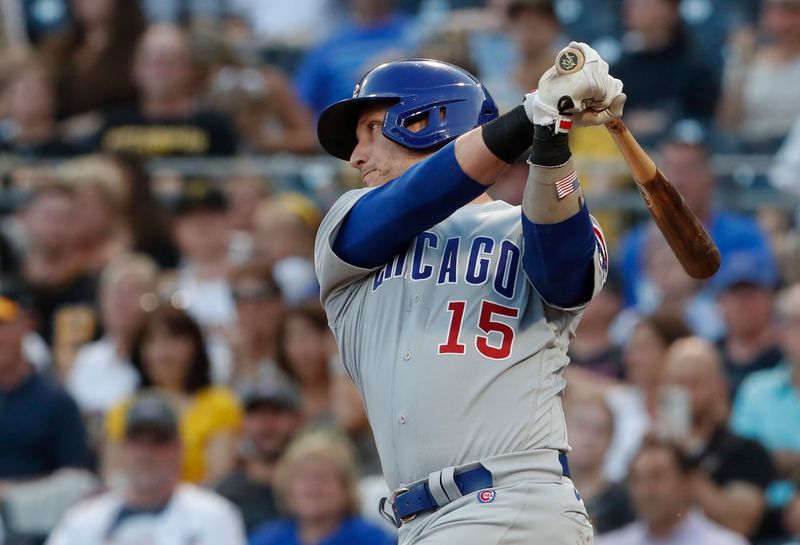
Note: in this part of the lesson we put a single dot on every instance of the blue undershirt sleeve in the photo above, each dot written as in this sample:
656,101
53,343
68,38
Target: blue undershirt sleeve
559,258
384,221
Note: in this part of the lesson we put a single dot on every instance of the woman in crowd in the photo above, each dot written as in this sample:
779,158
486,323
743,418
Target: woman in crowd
638,403
102,228
169,354
316,484
102,374
92,60
760,73
307,353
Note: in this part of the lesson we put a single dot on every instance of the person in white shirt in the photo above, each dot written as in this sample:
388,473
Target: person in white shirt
102,374
661,489
152,506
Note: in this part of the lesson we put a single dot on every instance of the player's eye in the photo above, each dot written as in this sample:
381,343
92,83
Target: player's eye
373,125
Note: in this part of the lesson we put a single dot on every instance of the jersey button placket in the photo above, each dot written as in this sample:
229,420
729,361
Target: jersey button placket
407,355
402,419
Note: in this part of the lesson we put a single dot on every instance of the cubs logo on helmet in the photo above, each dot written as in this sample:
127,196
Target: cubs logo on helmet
451,99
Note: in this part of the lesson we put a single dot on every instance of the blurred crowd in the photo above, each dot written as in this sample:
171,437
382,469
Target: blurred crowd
167,374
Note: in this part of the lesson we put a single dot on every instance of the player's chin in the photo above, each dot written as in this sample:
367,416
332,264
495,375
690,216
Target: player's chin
373,179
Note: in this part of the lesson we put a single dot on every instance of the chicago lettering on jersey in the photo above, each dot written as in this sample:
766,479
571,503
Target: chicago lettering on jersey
441,261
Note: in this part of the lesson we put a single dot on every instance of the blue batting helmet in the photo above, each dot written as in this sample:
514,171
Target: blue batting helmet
451,99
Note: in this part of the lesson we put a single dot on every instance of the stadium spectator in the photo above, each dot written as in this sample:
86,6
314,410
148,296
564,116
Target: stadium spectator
661,489
375,33
275,23
255,338
664,78
731,472
272,418
316,483
102,229
536,34
147,219
307,353
760,74
637,403
593,348
154,506
103,374
285,228
244,189
686,162
40,427
746,291
793,517
167,119
41,433
783,173
590,425
261,101
169,354
28,128
767,407
64,296
304,352
92,57
203,236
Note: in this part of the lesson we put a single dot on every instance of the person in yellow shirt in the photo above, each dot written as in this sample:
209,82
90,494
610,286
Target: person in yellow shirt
169,354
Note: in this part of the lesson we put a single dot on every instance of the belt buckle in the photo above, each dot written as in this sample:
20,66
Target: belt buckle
392,518
393,498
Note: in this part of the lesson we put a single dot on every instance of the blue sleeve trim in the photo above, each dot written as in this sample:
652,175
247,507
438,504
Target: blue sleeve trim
559,258
384,221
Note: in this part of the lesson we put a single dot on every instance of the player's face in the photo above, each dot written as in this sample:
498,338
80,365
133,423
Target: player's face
377,158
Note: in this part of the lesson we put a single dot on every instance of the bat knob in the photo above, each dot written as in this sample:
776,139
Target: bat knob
569,61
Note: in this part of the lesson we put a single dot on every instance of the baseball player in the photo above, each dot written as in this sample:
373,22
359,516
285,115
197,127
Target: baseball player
453,312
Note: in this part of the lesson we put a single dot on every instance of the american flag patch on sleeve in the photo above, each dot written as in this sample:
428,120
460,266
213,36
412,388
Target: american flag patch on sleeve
567,185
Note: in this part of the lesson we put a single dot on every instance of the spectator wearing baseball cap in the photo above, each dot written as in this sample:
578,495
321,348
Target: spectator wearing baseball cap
254,340
202,234
686,161
41,432
271,419
153,506
745,288
40,426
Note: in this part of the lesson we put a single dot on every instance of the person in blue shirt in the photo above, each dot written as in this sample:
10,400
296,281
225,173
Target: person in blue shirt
41,430
316,485
686,162
376,31
767,407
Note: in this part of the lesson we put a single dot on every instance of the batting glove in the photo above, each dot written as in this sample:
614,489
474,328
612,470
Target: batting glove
587,96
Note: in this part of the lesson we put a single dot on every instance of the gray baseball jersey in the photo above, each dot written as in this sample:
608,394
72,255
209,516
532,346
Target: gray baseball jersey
456,355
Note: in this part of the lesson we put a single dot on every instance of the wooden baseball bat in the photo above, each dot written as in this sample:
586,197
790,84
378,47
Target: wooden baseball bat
683,231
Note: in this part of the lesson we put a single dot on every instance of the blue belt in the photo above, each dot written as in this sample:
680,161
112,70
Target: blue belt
409,502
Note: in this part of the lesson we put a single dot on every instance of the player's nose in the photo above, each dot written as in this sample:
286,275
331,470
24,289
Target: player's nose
359,156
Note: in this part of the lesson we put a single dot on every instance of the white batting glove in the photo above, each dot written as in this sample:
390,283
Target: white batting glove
594,96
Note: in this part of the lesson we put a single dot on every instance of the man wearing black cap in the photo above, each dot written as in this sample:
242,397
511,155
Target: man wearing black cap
272,417
152,505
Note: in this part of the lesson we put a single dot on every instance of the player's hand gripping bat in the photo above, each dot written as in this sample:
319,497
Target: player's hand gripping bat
681,228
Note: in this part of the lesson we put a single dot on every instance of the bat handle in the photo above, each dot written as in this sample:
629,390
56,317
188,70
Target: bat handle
641,165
